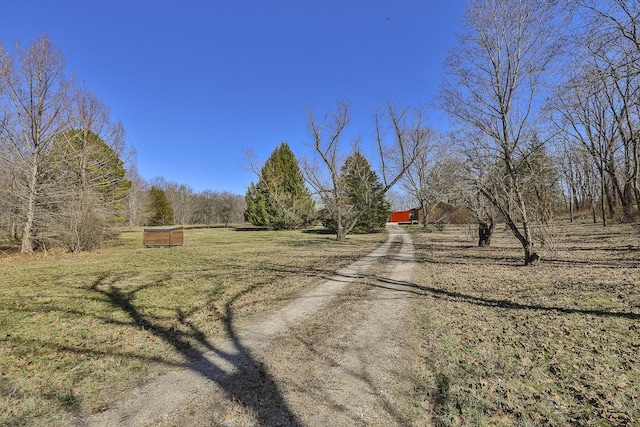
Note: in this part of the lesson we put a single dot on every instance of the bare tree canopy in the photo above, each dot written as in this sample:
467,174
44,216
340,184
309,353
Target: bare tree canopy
36,89
597,104
495,79
324,173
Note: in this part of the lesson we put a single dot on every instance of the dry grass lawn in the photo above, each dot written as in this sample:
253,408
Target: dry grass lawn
75,329
555,344
495,343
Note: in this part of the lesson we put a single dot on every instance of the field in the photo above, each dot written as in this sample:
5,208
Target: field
76,329
555,344
495,343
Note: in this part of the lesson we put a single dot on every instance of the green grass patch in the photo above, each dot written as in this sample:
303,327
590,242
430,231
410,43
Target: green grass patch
555,344
77,329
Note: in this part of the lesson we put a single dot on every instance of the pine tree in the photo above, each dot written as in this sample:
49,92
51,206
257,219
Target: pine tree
368,210
280,199
161,208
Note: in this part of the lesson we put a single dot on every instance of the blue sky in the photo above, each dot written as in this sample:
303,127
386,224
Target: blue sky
197,83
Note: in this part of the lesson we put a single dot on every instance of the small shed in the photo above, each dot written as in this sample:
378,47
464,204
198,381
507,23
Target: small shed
163,236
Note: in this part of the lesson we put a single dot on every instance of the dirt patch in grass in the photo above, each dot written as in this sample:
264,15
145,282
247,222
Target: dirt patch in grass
555,344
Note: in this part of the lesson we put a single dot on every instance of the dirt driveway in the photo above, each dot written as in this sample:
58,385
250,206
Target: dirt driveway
332,357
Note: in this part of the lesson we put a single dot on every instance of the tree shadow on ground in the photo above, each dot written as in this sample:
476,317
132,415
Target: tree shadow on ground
248,383
321,231
422,290
346,409
251,229
473,255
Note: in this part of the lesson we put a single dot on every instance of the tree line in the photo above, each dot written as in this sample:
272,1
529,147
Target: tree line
543,99
167,203
543,104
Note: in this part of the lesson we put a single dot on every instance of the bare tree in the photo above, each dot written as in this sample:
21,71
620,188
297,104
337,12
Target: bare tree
452,179
182,197
219,207
137,197
495,78
324,174
400,200
229,208
331,191
37,90
583,117
600,99
184,202
581,182
205,212
8,202
416,180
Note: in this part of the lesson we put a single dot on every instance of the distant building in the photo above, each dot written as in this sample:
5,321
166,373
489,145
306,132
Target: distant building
411,216
438,213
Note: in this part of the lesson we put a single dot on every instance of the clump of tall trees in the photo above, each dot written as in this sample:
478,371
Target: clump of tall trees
496,80
67,177
63,178
353,195
281,200
596,110
544,98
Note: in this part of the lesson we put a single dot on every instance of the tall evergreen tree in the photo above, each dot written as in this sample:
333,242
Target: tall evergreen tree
368,210
280,199
87,190
161,209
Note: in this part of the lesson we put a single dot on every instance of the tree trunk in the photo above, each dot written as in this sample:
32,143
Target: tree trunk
611,199
628,201
602,205
340,229
636,172
531,258
27,229
425,219
571,209
485,231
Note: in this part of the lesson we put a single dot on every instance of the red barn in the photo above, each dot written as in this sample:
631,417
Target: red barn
404,217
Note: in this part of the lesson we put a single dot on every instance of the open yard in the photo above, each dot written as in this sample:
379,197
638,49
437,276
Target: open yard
555,344
490,341
76,329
